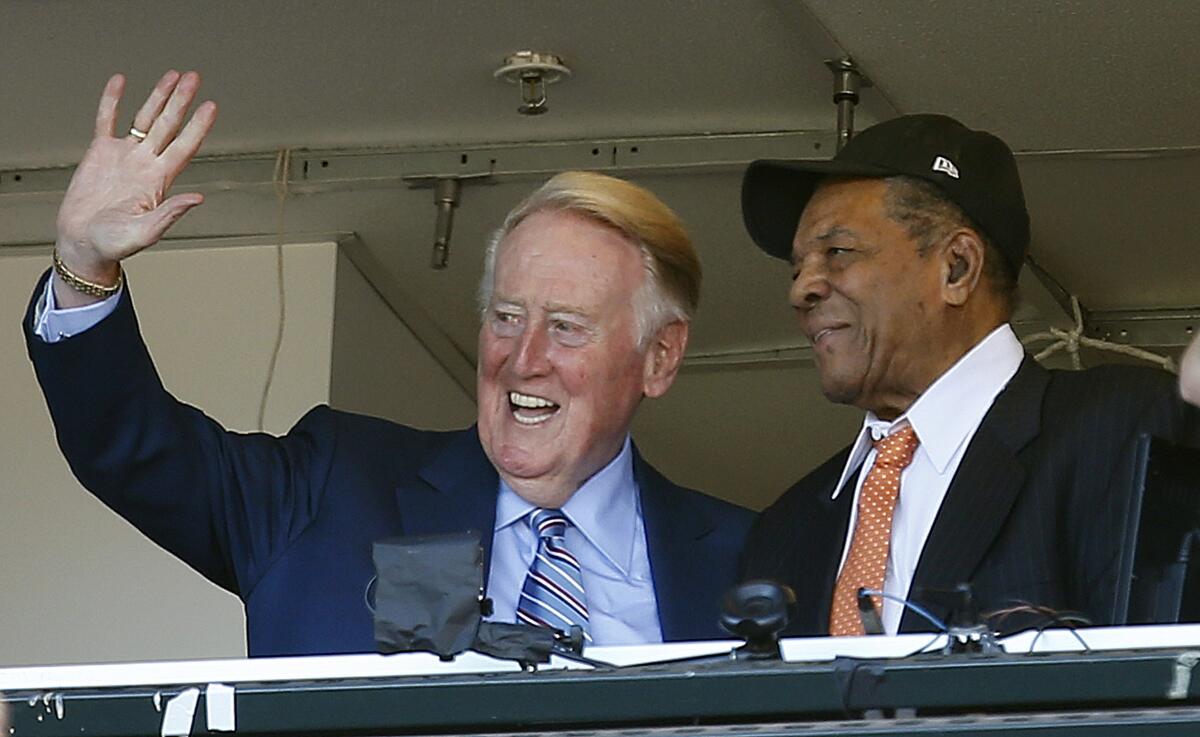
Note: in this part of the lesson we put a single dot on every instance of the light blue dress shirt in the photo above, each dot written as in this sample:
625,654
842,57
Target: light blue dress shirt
608,537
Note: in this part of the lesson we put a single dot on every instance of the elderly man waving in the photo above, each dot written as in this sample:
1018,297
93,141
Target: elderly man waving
588,291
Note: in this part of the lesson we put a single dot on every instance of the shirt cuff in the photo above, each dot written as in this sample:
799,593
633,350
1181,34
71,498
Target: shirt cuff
52,324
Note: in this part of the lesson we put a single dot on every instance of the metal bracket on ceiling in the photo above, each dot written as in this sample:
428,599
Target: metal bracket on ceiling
446,193
848,79
445,199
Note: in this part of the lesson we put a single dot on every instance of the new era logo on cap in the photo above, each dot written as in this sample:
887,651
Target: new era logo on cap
946,166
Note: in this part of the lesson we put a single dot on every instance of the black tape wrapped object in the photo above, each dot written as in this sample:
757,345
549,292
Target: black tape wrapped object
518,642
428,593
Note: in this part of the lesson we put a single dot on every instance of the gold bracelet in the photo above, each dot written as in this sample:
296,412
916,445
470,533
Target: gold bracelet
84,286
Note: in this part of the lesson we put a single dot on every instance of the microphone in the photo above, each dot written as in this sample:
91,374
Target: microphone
757,611
872,624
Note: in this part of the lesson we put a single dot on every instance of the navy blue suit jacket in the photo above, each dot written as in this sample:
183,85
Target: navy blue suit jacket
287,523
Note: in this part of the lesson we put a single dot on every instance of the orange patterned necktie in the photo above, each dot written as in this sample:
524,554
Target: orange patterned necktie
866,563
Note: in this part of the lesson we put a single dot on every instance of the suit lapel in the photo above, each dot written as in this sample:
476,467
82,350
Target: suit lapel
682,584
459,493
983,490
819,551
837,527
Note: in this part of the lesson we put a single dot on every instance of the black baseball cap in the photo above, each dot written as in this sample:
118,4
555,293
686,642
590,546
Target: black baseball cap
976,170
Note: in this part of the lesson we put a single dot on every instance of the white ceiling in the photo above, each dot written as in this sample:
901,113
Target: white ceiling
324,74
1043,74
1074,86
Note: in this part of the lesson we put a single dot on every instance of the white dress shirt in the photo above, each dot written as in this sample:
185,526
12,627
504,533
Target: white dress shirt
607,534
608,537
945,418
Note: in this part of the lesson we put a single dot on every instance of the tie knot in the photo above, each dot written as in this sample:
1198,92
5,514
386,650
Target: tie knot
896,449
548,522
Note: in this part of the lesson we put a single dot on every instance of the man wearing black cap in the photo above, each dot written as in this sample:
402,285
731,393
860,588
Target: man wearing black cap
974,464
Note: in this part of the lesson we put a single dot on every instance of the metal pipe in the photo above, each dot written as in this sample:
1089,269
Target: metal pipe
845,121
847,81
445,198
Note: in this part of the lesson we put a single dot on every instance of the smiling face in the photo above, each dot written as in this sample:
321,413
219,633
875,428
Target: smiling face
868,300
560,371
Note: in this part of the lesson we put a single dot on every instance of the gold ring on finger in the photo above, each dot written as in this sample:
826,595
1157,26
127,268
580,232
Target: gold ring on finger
138,133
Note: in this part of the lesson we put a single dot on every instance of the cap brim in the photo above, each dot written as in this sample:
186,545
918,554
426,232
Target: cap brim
775,192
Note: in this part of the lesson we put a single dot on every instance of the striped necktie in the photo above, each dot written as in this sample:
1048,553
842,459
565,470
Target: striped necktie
552,595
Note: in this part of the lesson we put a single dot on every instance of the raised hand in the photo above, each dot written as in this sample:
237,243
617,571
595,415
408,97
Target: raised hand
116,203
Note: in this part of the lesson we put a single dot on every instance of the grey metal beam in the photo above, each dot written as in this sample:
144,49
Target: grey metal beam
234,240
1164,328
351,168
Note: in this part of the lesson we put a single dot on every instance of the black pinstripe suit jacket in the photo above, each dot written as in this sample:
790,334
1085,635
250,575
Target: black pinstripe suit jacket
1032,514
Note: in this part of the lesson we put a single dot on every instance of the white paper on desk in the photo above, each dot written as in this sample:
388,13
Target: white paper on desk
180,711
219,708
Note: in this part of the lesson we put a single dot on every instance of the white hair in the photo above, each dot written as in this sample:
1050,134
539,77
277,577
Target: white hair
633,211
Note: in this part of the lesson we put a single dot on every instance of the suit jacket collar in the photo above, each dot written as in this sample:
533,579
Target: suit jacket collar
983,491
819,550
460,493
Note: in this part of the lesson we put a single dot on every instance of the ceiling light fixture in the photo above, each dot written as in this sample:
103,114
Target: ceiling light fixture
532,70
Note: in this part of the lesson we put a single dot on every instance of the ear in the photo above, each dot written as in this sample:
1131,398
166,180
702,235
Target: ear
962,256
663,358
